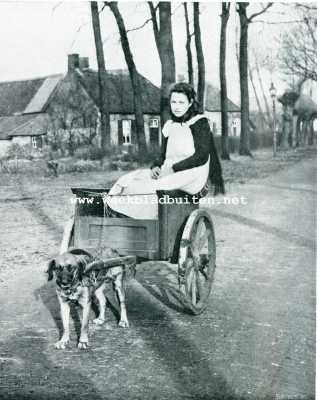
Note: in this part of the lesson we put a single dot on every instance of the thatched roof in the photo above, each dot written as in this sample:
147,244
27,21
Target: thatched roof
23,103
213,101
23,125
17,96
120,93
32,95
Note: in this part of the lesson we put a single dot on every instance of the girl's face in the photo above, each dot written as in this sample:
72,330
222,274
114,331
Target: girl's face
179,104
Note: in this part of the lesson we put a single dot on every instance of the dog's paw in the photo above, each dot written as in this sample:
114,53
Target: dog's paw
61,344
123,323
98,321
83,345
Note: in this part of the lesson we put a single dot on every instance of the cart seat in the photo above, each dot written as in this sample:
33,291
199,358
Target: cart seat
192,198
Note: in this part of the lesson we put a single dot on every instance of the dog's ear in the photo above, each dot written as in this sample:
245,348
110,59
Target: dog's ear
50,269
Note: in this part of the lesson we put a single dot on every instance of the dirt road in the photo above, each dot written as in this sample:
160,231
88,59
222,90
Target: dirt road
256,340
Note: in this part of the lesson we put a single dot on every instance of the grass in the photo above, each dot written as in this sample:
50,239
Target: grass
242,169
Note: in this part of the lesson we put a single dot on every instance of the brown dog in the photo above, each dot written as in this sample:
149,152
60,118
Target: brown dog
79,278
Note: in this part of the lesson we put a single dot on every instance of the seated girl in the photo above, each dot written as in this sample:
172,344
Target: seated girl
188,158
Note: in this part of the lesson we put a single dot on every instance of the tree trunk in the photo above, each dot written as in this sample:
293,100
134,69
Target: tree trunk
223,83
102,77
200,59
286,129
311,133
134,76
304,135
267,108
263,117
244,147
188,48
166,52
298,131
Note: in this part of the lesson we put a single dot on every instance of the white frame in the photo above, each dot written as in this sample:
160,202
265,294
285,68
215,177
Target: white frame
127,134
154,123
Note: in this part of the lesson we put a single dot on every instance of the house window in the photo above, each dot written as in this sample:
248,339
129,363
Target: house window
235,127
126,131
36,142
154,123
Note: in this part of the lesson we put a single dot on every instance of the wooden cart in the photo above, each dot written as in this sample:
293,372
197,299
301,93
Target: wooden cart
183,234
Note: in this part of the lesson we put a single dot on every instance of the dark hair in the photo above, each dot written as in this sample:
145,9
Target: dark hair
186,89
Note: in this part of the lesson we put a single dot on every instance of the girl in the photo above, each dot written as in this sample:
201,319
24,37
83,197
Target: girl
188,158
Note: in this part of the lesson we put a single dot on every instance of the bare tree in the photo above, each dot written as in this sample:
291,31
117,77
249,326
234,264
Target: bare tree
103,98
223,82
263,116
134,76
188,47
265,100
200,59
298,55
162,28
244,147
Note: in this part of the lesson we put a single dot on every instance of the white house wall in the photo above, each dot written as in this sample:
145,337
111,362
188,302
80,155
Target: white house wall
4,145
114,118
215,122
114,134
21,140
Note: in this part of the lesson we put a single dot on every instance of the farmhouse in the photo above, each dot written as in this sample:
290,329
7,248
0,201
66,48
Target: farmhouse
64,107
213,111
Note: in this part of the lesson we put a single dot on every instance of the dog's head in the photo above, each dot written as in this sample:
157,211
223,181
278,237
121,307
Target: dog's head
69,267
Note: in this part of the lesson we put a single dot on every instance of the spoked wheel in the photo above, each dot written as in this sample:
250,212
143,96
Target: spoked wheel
197,261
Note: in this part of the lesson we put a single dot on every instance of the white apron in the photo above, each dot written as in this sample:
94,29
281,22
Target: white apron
134,194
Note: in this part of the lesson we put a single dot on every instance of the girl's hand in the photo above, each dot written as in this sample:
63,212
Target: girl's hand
155,172
166,171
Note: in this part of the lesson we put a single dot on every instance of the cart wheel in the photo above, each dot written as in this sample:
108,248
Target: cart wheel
68,236
197,261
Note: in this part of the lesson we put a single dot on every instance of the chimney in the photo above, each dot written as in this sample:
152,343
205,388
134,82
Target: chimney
83,62
73,61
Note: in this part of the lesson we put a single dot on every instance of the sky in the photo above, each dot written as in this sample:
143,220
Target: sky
36,37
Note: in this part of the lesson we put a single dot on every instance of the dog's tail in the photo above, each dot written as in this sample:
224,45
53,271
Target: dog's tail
79,252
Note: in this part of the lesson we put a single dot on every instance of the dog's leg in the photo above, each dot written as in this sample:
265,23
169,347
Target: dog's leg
118,284
65,311
85,302
100,296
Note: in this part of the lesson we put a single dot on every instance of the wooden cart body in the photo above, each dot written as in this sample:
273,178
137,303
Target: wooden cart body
183,233
156,239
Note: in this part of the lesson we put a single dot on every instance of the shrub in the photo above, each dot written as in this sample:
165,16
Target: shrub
82,153
78,166
96,153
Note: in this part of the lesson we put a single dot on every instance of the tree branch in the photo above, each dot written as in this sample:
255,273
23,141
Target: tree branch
260,12
278,23
155,24
56,6
140,27
175,9
300,5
